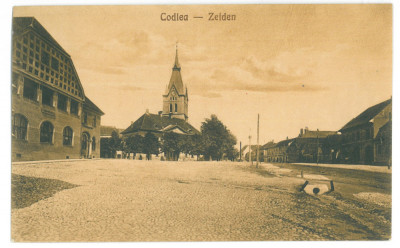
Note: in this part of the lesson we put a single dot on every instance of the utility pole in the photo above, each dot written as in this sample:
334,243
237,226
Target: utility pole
250,160
258,140
317,146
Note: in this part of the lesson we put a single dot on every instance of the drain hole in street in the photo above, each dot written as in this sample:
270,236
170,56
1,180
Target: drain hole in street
179,181
315,190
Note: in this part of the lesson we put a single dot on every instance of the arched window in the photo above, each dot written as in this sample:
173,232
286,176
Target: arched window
46,132
93,143
20,127
176,107
170,108
67,136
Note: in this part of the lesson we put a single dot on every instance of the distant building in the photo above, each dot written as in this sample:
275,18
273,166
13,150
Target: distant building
310,146
174,115
245,150
277,152
106,131
367,138
106,149
52,118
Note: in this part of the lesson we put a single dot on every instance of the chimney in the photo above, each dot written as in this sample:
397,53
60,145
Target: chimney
305,130
287,137
147,111
301,132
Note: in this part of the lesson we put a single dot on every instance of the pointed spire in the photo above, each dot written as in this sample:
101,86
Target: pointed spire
176,65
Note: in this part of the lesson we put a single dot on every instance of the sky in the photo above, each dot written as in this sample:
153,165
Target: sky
295,65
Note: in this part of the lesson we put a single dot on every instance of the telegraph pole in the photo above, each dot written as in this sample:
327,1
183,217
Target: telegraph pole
317,146
250,160
258,140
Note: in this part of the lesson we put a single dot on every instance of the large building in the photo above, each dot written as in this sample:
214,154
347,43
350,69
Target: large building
173,117
52,118
367,138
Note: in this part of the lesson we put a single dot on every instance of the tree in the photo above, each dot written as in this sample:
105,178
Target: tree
172,145
217,140
105,148
134,144
114,143
150,145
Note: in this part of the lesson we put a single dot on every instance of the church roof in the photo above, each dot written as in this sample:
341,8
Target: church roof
367,115
176,78
157,123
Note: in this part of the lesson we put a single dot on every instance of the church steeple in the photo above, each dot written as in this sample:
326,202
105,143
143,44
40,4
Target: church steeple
176,67
175,99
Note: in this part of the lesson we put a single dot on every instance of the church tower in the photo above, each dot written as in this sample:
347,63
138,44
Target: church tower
175,99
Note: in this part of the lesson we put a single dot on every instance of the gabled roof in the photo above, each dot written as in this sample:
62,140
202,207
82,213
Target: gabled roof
107,130
20,24
157,123
284,142
367,115
253,147
90,105
23,25
268,145
315,134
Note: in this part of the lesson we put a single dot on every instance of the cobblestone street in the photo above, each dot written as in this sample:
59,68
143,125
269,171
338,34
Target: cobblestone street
126,200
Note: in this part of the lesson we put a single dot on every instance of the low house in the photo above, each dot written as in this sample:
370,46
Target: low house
310,146
245,150
278,152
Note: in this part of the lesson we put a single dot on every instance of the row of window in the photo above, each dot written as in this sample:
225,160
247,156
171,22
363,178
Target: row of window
55,68
30,91
20,130
359,135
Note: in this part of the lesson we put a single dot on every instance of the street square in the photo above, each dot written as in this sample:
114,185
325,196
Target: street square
132,200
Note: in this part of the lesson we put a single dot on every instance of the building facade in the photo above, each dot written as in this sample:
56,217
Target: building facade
51,116
311,146
366,138
277,152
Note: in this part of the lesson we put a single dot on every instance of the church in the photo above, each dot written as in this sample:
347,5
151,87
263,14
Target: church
174,115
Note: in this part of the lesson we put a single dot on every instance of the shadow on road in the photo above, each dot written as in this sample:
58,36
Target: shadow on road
27,190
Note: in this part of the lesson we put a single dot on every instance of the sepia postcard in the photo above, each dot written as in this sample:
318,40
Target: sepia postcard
250,122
